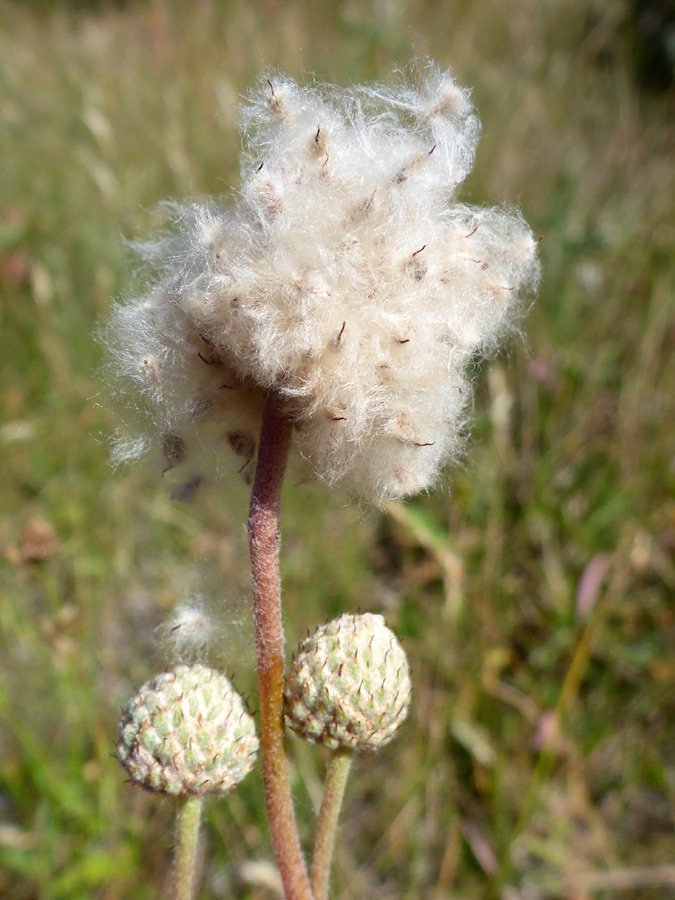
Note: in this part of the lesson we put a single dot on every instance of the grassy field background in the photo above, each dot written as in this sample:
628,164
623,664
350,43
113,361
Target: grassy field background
533,592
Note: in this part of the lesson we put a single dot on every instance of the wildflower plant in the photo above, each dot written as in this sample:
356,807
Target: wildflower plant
331,311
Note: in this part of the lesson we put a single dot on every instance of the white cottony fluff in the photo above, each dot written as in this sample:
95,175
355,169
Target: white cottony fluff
346,278
192,631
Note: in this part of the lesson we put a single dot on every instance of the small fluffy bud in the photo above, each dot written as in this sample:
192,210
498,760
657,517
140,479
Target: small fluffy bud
187,732
193,630
349,684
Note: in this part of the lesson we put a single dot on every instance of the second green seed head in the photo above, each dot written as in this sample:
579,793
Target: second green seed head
349,684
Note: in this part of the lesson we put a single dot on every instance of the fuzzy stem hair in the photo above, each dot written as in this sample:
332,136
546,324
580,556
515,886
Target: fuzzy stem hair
264,540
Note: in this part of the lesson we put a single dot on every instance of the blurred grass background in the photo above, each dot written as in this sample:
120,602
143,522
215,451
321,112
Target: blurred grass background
534,597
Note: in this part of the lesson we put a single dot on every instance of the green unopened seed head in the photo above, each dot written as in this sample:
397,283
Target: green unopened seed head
187,732
349,684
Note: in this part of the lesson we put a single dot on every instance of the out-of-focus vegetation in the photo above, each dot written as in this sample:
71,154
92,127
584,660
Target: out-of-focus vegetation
535,597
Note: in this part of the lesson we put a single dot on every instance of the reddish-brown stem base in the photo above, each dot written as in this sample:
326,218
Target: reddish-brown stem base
264,540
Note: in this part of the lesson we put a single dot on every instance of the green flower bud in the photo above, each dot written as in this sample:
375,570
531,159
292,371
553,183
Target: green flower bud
187,732
349,684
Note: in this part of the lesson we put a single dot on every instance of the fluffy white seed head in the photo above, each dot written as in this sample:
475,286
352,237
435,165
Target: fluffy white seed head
346,278
349,684
187,732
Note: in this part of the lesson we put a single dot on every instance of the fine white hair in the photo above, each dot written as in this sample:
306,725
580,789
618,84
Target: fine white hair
193,632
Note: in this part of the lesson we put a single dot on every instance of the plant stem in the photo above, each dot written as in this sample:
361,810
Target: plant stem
336,780
187,832
263,536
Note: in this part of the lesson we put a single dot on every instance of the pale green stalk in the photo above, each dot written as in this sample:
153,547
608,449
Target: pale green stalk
337,773
187,833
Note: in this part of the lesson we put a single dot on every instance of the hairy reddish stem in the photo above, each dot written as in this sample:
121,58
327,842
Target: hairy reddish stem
264,540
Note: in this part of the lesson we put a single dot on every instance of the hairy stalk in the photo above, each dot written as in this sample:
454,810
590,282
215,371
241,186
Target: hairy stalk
263,536
187,832
336,780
